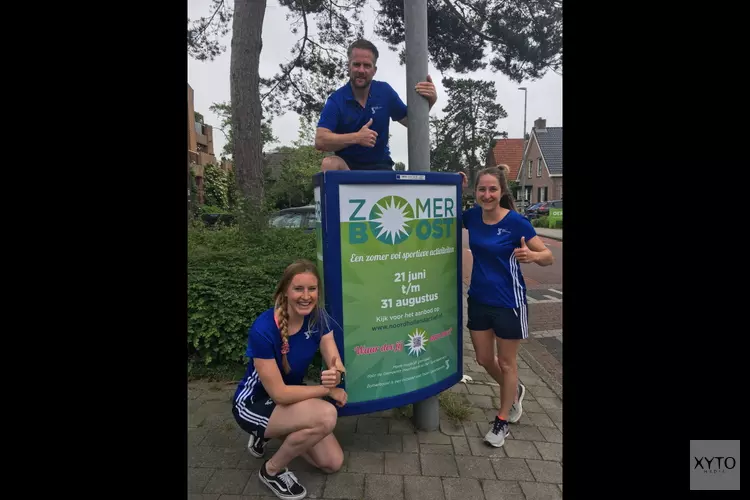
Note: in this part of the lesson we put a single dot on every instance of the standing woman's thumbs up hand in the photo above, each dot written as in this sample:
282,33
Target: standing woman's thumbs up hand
523,254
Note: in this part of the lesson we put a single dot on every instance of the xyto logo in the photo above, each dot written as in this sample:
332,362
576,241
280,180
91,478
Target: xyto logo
392,219
714,465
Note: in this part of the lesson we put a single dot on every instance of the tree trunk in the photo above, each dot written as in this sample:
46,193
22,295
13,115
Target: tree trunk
244,81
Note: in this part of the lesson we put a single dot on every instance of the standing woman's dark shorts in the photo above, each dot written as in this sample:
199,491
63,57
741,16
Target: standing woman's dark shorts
509,324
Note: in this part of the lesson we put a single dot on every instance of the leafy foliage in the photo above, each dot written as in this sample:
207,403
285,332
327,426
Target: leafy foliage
231,278
463,135
203,34
319,61
211,209
444,155
194,206
294,186
523,38
216,186
224,111
542,221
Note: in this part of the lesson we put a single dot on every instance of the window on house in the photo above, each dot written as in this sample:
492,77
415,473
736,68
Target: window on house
531,165
539,167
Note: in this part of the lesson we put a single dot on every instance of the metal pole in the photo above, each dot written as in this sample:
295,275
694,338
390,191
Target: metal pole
525,147
415,22
426,412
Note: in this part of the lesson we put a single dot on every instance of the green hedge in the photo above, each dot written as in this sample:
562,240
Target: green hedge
231,279
543,221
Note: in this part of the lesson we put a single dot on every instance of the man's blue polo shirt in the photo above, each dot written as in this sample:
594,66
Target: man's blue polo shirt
342,114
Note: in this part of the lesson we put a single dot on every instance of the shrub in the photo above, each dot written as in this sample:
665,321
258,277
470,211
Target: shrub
216,186
212,209
231,279
542,221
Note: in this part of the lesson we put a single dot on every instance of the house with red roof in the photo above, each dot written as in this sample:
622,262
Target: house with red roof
543,173
508,152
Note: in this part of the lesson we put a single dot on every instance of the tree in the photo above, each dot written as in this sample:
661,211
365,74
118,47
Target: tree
305,132
399,166
224,110
203,34
244,81
294,185
444,157
521,38
469,123
198,117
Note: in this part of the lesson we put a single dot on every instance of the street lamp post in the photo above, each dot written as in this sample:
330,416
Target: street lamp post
523,163
427,411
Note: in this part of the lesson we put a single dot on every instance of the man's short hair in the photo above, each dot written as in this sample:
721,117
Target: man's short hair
364,45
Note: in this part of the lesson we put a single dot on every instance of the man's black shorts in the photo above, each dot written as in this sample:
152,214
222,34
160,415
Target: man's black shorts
355,165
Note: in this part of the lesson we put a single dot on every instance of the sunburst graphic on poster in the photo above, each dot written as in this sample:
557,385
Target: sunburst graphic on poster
417,343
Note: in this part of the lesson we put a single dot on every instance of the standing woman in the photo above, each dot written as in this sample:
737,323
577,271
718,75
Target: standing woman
500,238
272,401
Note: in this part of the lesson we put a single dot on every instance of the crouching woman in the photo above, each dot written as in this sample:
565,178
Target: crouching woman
272,402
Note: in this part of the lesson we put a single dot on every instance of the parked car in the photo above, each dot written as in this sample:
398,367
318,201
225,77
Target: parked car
294,218
530,211
542,209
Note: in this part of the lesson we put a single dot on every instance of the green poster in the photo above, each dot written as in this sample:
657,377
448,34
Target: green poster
400,285
555,214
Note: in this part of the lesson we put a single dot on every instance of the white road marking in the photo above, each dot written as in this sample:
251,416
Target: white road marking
553,299
556,291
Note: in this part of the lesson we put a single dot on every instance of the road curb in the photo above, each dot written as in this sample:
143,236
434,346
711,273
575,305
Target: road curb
543,374
556,238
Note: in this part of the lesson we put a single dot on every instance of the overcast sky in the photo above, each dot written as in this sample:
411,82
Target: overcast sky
210,82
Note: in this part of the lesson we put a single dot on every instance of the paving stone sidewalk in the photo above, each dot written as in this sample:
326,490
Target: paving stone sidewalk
386,458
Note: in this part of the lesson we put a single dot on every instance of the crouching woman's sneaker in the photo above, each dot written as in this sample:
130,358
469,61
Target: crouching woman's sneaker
284,485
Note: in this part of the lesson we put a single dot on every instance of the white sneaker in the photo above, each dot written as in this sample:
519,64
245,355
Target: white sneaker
498,432
517,410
